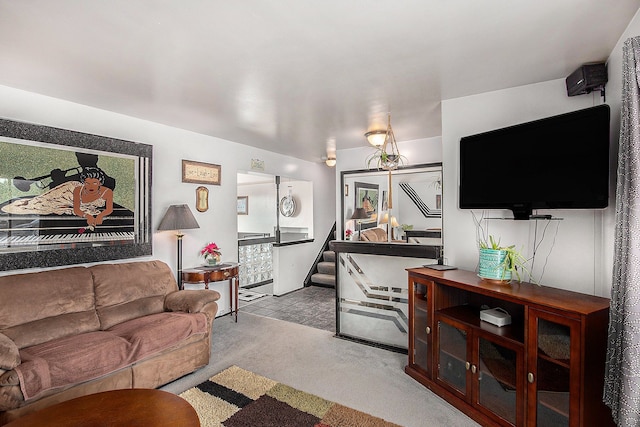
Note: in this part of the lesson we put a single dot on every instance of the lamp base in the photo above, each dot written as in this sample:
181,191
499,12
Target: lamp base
180,285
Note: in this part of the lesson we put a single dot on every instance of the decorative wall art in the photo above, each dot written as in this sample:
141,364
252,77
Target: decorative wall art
201,173
243,205
68,197
288,206
202,199
366,196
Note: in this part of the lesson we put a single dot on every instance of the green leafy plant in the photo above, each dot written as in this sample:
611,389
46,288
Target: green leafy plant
384,160
514,261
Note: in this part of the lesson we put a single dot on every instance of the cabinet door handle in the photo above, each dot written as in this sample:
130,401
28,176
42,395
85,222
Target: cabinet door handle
473,369
530,377
467,365
428,330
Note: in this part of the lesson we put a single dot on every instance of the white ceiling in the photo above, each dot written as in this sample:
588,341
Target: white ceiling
297,77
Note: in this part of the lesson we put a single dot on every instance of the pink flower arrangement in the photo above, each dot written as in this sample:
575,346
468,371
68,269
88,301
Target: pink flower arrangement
348,233
211,251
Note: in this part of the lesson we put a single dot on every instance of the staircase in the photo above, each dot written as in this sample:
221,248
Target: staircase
326,275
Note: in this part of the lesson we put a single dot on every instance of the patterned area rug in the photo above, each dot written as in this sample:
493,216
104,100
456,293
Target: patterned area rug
236,397
244,295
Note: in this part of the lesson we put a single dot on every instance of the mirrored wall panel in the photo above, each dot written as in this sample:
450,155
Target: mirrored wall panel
402,206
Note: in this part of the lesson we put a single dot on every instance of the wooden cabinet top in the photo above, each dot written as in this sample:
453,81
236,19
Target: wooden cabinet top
518,292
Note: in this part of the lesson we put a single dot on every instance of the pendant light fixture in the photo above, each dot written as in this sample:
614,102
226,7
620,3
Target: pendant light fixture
387,154
387,157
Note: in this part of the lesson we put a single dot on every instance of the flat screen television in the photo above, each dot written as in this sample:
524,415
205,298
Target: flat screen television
559,162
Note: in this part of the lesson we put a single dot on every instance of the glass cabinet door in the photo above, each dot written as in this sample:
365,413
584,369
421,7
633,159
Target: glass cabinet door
421,335
453,360
551,384
497,379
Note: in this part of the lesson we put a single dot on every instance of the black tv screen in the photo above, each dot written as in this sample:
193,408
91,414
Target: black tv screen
560,162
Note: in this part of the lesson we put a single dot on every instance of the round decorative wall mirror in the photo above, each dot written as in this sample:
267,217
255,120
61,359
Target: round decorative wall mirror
288,206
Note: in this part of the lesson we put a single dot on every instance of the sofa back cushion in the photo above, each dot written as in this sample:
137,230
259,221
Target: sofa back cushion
130,290
375,234
39,307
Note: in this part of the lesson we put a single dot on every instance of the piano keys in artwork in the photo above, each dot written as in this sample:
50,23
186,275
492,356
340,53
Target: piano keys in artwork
25,232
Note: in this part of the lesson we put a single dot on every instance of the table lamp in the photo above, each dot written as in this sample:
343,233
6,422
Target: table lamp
178,218
358,214
390,228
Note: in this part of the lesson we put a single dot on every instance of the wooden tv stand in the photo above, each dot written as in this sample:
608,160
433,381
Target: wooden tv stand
545,368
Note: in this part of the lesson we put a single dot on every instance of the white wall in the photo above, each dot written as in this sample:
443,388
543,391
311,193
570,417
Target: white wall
578,245
302,193
170,146
261,217
582,257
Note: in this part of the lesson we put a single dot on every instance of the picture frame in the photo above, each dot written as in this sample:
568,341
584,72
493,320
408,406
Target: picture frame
366,196
243,205
201,173
45,170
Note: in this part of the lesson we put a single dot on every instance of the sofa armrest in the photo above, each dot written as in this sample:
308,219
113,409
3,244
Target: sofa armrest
190,301
9,354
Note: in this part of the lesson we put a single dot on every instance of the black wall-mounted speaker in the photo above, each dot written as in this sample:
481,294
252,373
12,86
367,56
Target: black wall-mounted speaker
587,78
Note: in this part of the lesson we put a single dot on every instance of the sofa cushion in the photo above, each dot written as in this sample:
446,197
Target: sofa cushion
111,316
59,296
130,290
375,234
10,397
50,328
9,378
154,333
71,360
9,354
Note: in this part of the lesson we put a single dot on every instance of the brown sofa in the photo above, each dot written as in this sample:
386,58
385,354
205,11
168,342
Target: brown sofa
80,330
376,234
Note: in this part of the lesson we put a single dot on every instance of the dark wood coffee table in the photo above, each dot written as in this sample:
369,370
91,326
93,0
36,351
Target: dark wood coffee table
129,407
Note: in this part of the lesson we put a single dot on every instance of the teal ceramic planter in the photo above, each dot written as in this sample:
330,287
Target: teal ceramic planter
491,267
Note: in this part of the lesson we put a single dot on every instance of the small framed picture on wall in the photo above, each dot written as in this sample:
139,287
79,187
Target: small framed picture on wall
201,173
243,205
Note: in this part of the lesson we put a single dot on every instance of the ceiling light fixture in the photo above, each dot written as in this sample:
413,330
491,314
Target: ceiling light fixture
387,154
331,161
376,137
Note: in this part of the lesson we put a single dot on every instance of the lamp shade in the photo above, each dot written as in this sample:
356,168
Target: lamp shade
359,213
385,220
178,217
376,137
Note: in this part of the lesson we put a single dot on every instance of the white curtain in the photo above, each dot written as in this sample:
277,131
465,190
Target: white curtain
622,377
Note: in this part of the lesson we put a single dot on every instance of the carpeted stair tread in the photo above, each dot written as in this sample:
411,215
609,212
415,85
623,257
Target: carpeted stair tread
324,279
329,256
327,268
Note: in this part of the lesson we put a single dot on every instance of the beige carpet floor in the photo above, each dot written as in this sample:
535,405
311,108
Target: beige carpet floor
236,398
362,377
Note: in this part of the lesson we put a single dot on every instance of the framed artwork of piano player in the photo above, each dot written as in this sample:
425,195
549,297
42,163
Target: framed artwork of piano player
68,197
